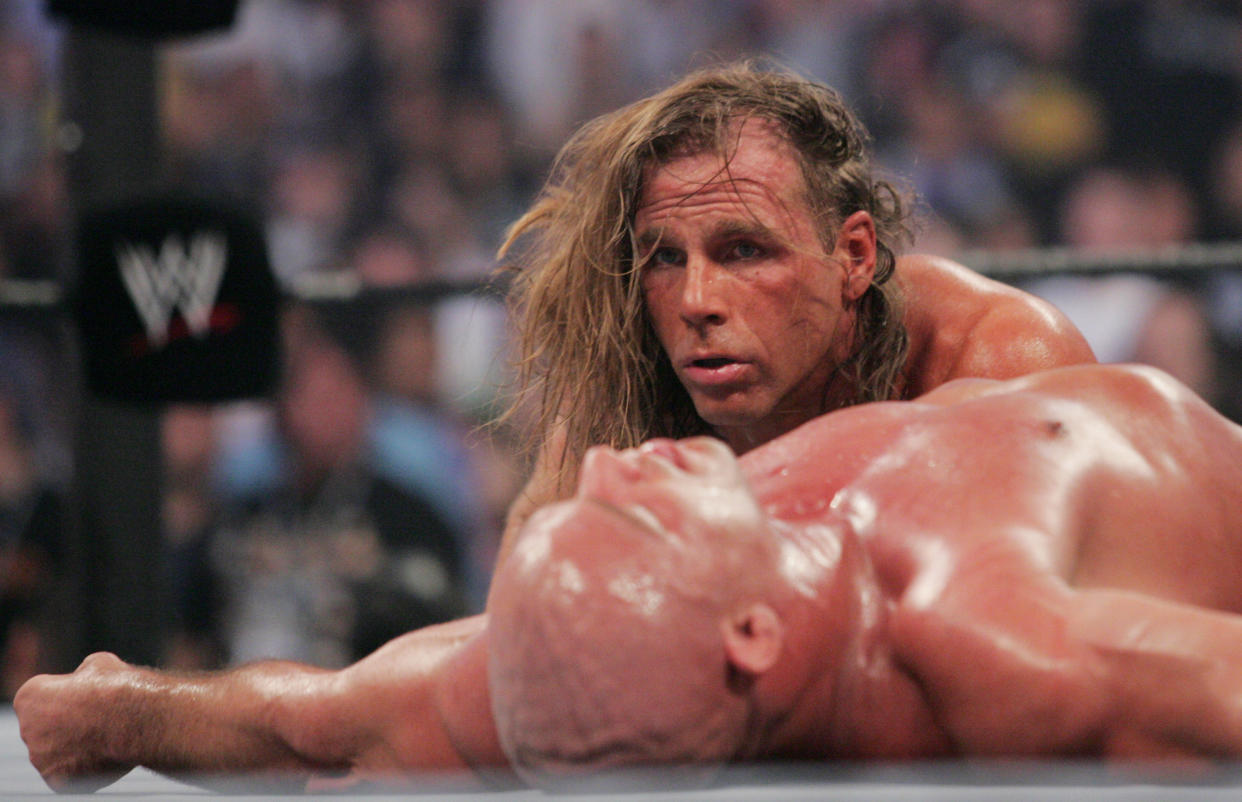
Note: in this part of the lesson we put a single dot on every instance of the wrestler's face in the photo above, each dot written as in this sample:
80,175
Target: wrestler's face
689,489
604,653
751,308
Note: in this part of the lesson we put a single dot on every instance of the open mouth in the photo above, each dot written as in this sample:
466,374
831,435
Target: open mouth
715,371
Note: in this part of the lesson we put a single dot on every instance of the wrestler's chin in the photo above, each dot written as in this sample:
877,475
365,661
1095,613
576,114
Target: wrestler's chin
740,426
732,410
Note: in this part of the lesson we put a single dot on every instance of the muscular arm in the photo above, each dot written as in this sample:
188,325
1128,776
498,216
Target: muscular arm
992,655
1020,664
1174,674
87,728
418,703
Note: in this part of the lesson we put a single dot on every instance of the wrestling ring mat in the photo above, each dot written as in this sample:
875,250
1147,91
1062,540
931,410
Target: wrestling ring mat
940,782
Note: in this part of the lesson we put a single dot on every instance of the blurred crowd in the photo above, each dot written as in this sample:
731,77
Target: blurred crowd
391,142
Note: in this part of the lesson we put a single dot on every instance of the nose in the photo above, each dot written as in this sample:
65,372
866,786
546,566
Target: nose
603,470
703,294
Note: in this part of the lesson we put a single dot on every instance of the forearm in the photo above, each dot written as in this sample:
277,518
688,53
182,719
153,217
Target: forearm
255,720
418,704
93,725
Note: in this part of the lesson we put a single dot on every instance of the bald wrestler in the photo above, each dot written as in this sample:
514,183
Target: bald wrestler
1045,566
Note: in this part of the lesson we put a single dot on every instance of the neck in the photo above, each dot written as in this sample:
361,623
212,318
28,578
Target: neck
849,699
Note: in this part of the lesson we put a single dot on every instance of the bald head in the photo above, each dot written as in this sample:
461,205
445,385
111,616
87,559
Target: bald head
605,651
608,628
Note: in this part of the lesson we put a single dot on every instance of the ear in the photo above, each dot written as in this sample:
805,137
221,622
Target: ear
855,249
753,637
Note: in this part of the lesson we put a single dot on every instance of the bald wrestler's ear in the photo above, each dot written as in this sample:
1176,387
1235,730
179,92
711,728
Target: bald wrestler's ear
753,637
855,248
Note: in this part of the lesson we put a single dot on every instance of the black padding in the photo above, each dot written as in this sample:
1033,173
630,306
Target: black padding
175,301
153,19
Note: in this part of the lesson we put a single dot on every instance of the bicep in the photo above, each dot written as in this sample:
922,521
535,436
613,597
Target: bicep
463,698
1174,671
386,713
996,664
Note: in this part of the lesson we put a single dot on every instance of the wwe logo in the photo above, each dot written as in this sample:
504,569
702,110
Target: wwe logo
175,278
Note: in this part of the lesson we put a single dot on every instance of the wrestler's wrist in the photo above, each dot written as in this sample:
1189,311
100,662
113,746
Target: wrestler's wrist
128,724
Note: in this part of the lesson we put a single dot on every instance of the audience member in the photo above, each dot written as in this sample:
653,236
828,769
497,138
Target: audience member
326,556
189,515
1134,317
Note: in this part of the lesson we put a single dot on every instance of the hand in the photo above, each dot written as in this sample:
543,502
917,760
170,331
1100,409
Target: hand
66,722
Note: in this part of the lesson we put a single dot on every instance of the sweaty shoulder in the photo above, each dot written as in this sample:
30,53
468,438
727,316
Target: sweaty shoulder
963,324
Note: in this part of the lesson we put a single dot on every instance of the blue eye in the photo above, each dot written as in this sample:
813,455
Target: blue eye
746,250
663,257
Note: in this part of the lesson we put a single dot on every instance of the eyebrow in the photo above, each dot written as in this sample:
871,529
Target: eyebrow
650,238
725,229
728,229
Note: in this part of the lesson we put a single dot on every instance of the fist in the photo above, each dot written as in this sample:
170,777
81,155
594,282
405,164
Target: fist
69,723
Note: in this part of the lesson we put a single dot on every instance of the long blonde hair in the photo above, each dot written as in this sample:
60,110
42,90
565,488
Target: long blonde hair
588,360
